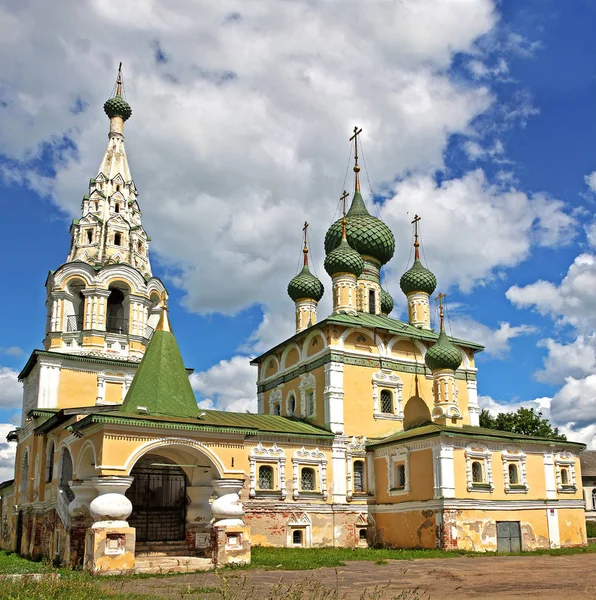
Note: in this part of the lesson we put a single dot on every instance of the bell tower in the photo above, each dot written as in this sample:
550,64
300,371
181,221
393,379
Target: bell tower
104,298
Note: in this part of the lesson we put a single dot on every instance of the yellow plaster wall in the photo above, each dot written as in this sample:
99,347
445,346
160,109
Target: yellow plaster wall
415,529
572,527
477,529
368,345
315,345
421,478
77,388
534,472
113,392
292,358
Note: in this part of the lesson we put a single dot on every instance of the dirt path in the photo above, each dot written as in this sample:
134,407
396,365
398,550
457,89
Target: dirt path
503,578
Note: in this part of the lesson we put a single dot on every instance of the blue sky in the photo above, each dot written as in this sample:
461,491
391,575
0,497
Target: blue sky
478,115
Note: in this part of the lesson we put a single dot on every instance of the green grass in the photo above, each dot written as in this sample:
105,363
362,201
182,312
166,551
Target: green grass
316,558
13,563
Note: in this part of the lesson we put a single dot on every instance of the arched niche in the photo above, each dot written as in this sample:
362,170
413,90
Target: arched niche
416,412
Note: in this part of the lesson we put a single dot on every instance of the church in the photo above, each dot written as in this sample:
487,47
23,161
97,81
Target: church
367,432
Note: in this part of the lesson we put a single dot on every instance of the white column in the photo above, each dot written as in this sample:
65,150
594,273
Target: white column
339,466
419,310
333,397
473,406
444,471
49,380
111,507
261,403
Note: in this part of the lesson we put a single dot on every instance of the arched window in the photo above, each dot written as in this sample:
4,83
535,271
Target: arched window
297,536
358,476
66,475
291,405
117,321
594,499
362,534
564,477
117,239
513,474
371,302
387,401
401,476
310,403
117,208
50,463
89,235
25,472
476,472
276,409
307,479
265,477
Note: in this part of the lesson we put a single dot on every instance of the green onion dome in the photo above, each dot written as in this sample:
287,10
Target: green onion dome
366,234
418,279
117,106
386,302
443,354
305,285
344,259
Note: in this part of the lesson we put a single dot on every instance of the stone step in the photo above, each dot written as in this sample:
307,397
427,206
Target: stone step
176,548
171,564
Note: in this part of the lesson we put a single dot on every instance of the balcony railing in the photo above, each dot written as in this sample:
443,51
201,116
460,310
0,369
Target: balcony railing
117,325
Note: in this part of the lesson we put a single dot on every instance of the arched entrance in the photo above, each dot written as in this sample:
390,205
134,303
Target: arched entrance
158,497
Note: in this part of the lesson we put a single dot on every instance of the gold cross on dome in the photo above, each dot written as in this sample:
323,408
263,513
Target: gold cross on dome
357,132
343,199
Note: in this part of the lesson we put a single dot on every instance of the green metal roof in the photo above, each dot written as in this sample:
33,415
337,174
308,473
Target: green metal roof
433,429
161,382
6,484
363,319
211,420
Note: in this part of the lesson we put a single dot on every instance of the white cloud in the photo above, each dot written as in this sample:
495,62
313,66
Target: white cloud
496,341
7,453
553,409
240,133
228,385
570,302
591,234
14,351
459,215
11,391
591,181
576,359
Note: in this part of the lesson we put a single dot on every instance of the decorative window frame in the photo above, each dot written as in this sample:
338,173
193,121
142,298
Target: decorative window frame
565,460
518,458
355,450
309,458
367,522
483,455
300,521
386,379
274,456
398,456
275,398
308,384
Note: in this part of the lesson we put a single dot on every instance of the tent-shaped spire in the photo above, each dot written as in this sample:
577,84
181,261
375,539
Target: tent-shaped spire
161,384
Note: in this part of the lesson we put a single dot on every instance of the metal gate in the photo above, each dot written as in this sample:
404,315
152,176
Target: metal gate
508,536
158,496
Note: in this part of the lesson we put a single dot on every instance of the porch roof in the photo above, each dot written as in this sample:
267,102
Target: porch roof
211,420
468,431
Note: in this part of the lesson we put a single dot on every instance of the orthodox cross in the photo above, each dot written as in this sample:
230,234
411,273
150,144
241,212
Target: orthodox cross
343,199
357,132
416,243
343,221
119,81
440,299
305,249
